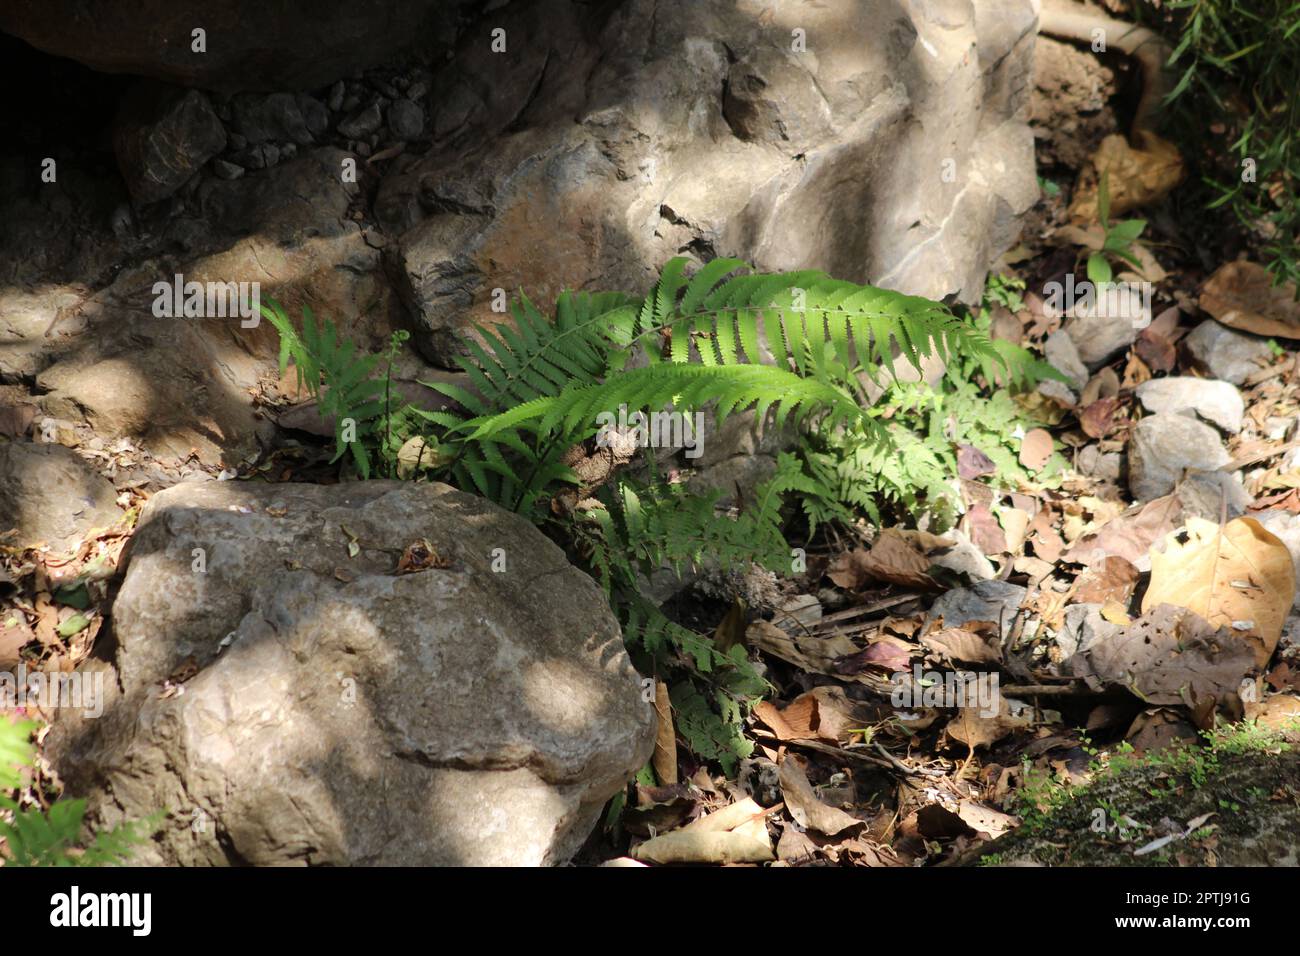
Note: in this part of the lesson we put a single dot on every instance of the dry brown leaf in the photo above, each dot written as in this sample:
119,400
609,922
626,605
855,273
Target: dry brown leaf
1240,577
664,760
1035,448
1113,578
1241,294
972,728
1129,535
964,644
1170,655
1135,177
1279,712
983,530
802,802
897,556
746,844
808,652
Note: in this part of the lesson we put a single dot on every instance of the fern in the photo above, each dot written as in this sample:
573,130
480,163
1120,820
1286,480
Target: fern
36,837
340,378
791,344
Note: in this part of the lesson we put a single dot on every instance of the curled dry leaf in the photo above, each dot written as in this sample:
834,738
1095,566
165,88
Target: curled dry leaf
1242,295
664,759
734,834
901,557
975,642
1239,576
1135,177
802,802
1129,535
977,727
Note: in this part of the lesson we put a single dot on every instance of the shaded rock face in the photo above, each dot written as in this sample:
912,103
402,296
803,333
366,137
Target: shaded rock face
162,138
889,147
345,714
248,45
49,494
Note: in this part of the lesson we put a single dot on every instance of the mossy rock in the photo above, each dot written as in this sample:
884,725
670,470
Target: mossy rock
1254,796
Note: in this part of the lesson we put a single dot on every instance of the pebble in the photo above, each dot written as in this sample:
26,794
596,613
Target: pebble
1166,445
1219,403
1227,354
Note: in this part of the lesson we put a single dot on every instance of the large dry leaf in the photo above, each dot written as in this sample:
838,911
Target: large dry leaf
964,644
971,727
1135,177
802,802
1242,295
1129,535
734,834
664,760
808,652
1111,579
1168,656
1240,577
823,713
897,556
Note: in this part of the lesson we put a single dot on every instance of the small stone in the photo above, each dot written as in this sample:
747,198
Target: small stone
1163,447
1217,402
270,117
1062,354
1225,353
1109,325
995,601
361,148
361,124
417,90
405,120
236,141
227,170
271,152
314,115
1095,463
1082,627
349,104
1206,494
336,96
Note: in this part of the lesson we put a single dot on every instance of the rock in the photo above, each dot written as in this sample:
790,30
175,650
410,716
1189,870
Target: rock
336,97
276,117
287,229
783,170
162,137
964,558
1108,325
315,115
405,120
1062,354
1163,797
345,715
1217,402
227,170
1206,494
291,44
1082,627
1225,353
1095,463
362,123
50,494
1163,447
995,601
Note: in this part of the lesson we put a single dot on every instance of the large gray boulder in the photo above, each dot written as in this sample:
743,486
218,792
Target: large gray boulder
478,711
878,141
49,494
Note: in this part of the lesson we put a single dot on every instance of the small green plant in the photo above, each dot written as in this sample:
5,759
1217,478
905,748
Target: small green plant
1118,244
32,836
1004,290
